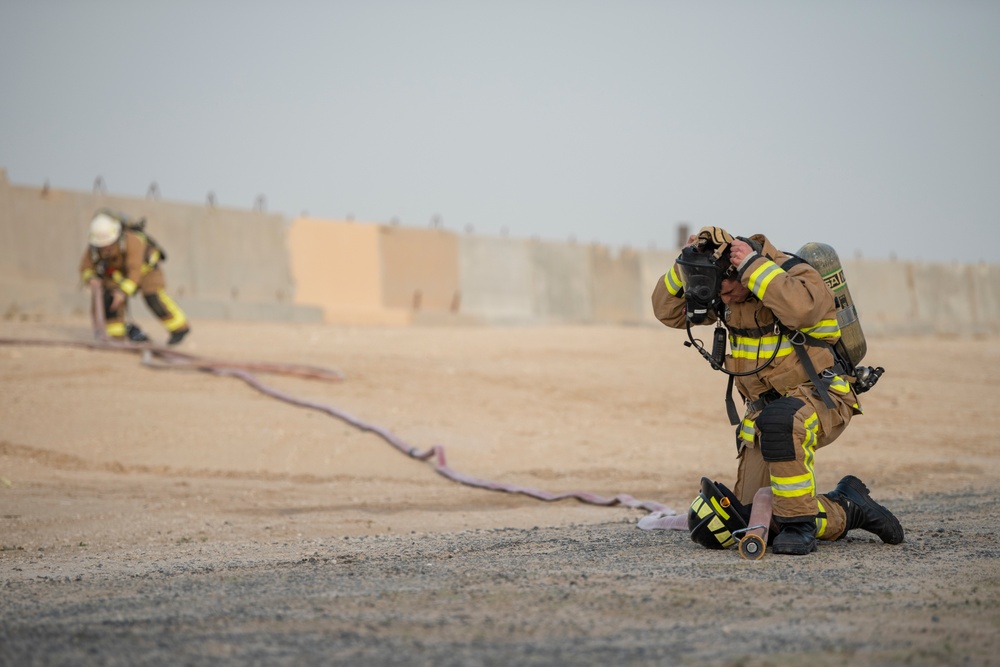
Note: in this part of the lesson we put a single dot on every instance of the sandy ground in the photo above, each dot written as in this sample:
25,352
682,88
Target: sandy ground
152,516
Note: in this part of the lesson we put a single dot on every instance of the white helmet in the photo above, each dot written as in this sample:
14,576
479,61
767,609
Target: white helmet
104,230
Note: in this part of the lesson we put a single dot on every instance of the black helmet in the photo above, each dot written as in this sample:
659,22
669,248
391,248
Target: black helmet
715,513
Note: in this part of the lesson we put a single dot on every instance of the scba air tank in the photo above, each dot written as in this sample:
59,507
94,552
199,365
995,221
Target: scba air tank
824,259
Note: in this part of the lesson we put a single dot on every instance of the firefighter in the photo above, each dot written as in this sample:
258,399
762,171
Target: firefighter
124,260
780,321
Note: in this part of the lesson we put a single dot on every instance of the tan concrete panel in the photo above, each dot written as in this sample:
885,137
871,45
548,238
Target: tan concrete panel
652,265
496,279
884,296
336,266
985,281
617,287
419,270
945,297
8,251
562,282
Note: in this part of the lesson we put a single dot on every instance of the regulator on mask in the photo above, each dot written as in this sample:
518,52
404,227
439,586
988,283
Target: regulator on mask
702,268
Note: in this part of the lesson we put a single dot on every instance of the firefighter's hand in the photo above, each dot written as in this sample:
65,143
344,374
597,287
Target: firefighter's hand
738,251
117,300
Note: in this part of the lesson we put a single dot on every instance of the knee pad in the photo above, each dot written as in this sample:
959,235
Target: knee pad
155,305
775,424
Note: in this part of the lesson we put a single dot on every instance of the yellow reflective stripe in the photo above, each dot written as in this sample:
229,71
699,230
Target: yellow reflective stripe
812,427
747,430
840,384
115,329
721,533
128,286
792,487
673,281
823,329
177,320
718,529
151,261
755,348
762,277
805,484
820,520
88,274
718,508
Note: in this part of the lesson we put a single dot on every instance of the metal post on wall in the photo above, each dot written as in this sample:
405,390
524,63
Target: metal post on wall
683,231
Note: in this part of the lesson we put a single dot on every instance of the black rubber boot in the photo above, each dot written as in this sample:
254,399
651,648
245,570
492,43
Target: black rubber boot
135,334
863,512
177,336
797,536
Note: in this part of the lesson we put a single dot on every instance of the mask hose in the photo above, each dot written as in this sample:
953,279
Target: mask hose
717,356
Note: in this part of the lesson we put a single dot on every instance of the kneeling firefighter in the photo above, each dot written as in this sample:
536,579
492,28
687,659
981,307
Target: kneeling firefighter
123,260
798,380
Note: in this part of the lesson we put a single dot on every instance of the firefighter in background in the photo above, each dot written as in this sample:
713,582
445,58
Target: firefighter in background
124,260
766,300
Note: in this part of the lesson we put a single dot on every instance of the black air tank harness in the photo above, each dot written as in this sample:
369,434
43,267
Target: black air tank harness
798,340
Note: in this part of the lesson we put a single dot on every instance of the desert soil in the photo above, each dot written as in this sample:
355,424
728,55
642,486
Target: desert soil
175,517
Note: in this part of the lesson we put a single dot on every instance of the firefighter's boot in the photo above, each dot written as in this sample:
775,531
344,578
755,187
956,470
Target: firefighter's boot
177,336
863,512
797,536
135,334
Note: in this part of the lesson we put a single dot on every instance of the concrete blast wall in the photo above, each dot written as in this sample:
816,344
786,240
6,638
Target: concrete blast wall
496,276
419,270
221,263
617,286
337,266
226,263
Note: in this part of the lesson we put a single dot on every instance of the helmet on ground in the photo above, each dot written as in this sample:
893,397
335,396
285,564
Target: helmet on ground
104,230
715,513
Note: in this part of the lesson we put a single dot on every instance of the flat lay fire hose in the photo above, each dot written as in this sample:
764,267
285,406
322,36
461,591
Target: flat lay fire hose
159,357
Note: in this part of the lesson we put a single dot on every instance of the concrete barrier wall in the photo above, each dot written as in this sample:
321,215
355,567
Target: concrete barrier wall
652,265
221,263
562,287
496,278
232,264
884,296
616,280
337,266
419,270
985,293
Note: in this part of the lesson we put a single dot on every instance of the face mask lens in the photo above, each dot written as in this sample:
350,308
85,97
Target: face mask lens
702,282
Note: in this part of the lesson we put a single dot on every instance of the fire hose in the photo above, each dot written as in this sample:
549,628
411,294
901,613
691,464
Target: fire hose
158,357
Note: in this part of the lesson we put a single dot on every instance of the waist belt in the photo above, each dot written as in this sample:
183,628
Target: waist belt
769,396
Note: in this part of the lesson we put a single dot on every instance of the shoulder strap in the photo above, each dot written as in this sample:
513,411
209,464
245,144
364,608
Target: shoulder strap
822,384
793,260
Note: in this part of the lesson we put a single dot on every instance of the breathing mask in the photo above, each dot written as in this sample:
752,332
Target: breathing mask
702,268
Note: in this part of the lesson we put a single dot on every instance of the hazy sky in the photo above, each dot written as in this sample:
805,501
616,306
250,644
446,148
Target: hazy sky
873,126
